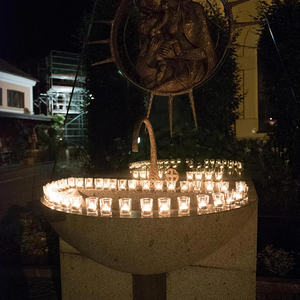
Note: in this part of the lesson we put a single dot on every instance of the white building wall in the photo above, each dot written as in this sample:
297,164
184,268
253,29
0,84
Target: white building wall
17,83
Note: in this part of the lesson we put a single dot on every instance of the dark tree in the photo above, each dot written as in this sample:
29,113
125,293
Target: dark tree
279,56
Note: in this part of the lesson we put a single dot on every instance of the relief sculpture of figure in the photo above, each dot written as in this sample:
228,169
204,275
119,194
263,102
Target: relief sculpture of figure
176,50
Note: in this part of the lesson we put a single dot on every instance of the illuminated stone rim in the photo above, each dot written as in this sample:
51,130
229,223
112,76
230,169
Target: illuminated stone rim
50,200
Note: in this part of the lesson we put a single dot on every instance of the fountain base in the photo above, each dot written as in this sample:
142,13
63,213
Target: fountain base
227,273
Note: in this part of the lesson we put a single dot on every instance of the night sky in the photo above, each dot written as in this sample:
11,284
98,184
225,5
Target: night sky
29,29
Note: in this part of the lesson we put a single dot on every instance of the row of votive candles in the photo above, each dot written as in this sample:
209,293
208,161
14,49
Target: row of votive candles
220,201
208,186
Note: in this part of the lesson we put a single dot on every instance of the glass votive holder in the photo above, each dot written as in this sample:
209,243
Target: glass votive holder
229,198
218,175
105,207
143,174
113,183
158,185
171,186
160,174
198,175
238,197
208,175
62,184
218,200
98,183
91,204
209,186
197,185
55,198
184,186
122,184
239,165
164,207
206,162
135,174
125,207
183,205
146,207
212,162
76,203
224,186
80,183
145,185
218,162
88,183
241,186
71,182
106,183
132,184
202,202
190,176
66,202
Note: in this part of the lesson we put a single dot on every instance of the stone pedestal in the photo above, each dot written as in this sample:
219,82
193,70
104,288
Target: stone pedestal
228,273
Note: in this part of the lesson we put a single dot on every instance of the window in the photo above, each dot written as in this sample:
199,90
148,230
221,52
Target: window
0,96
15,99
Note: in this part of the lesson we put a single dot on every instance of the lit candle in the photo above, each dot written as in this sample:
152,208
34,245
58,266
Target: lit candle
106,183
113,184
125,207
98,183
135,174
208,175
224,186
218,199
122,184
143,174
171,186
132,184
158,185
66,202
238,197
198,175
76,203
91,205
218,162
183,205
161,174
71,182
146,185
105,207
241,186
164,207
189,175
55,198
62,184
212,162
184,186
197,186
88,183
218,175
79,183
206,162
202,202
229,198
146,207
209,186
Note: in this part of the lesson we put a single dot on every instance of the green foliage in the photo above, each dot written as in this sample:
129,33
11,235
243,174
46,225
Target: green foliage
276,261
280,73
50,136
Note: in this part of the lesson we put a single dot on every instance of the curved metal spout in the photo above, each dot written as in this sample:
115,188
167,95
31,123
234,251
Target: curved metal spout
153,171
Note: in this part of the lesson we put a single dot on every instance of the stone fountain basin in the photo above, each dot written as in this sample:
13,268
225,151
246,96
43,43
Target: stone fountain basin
150,245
